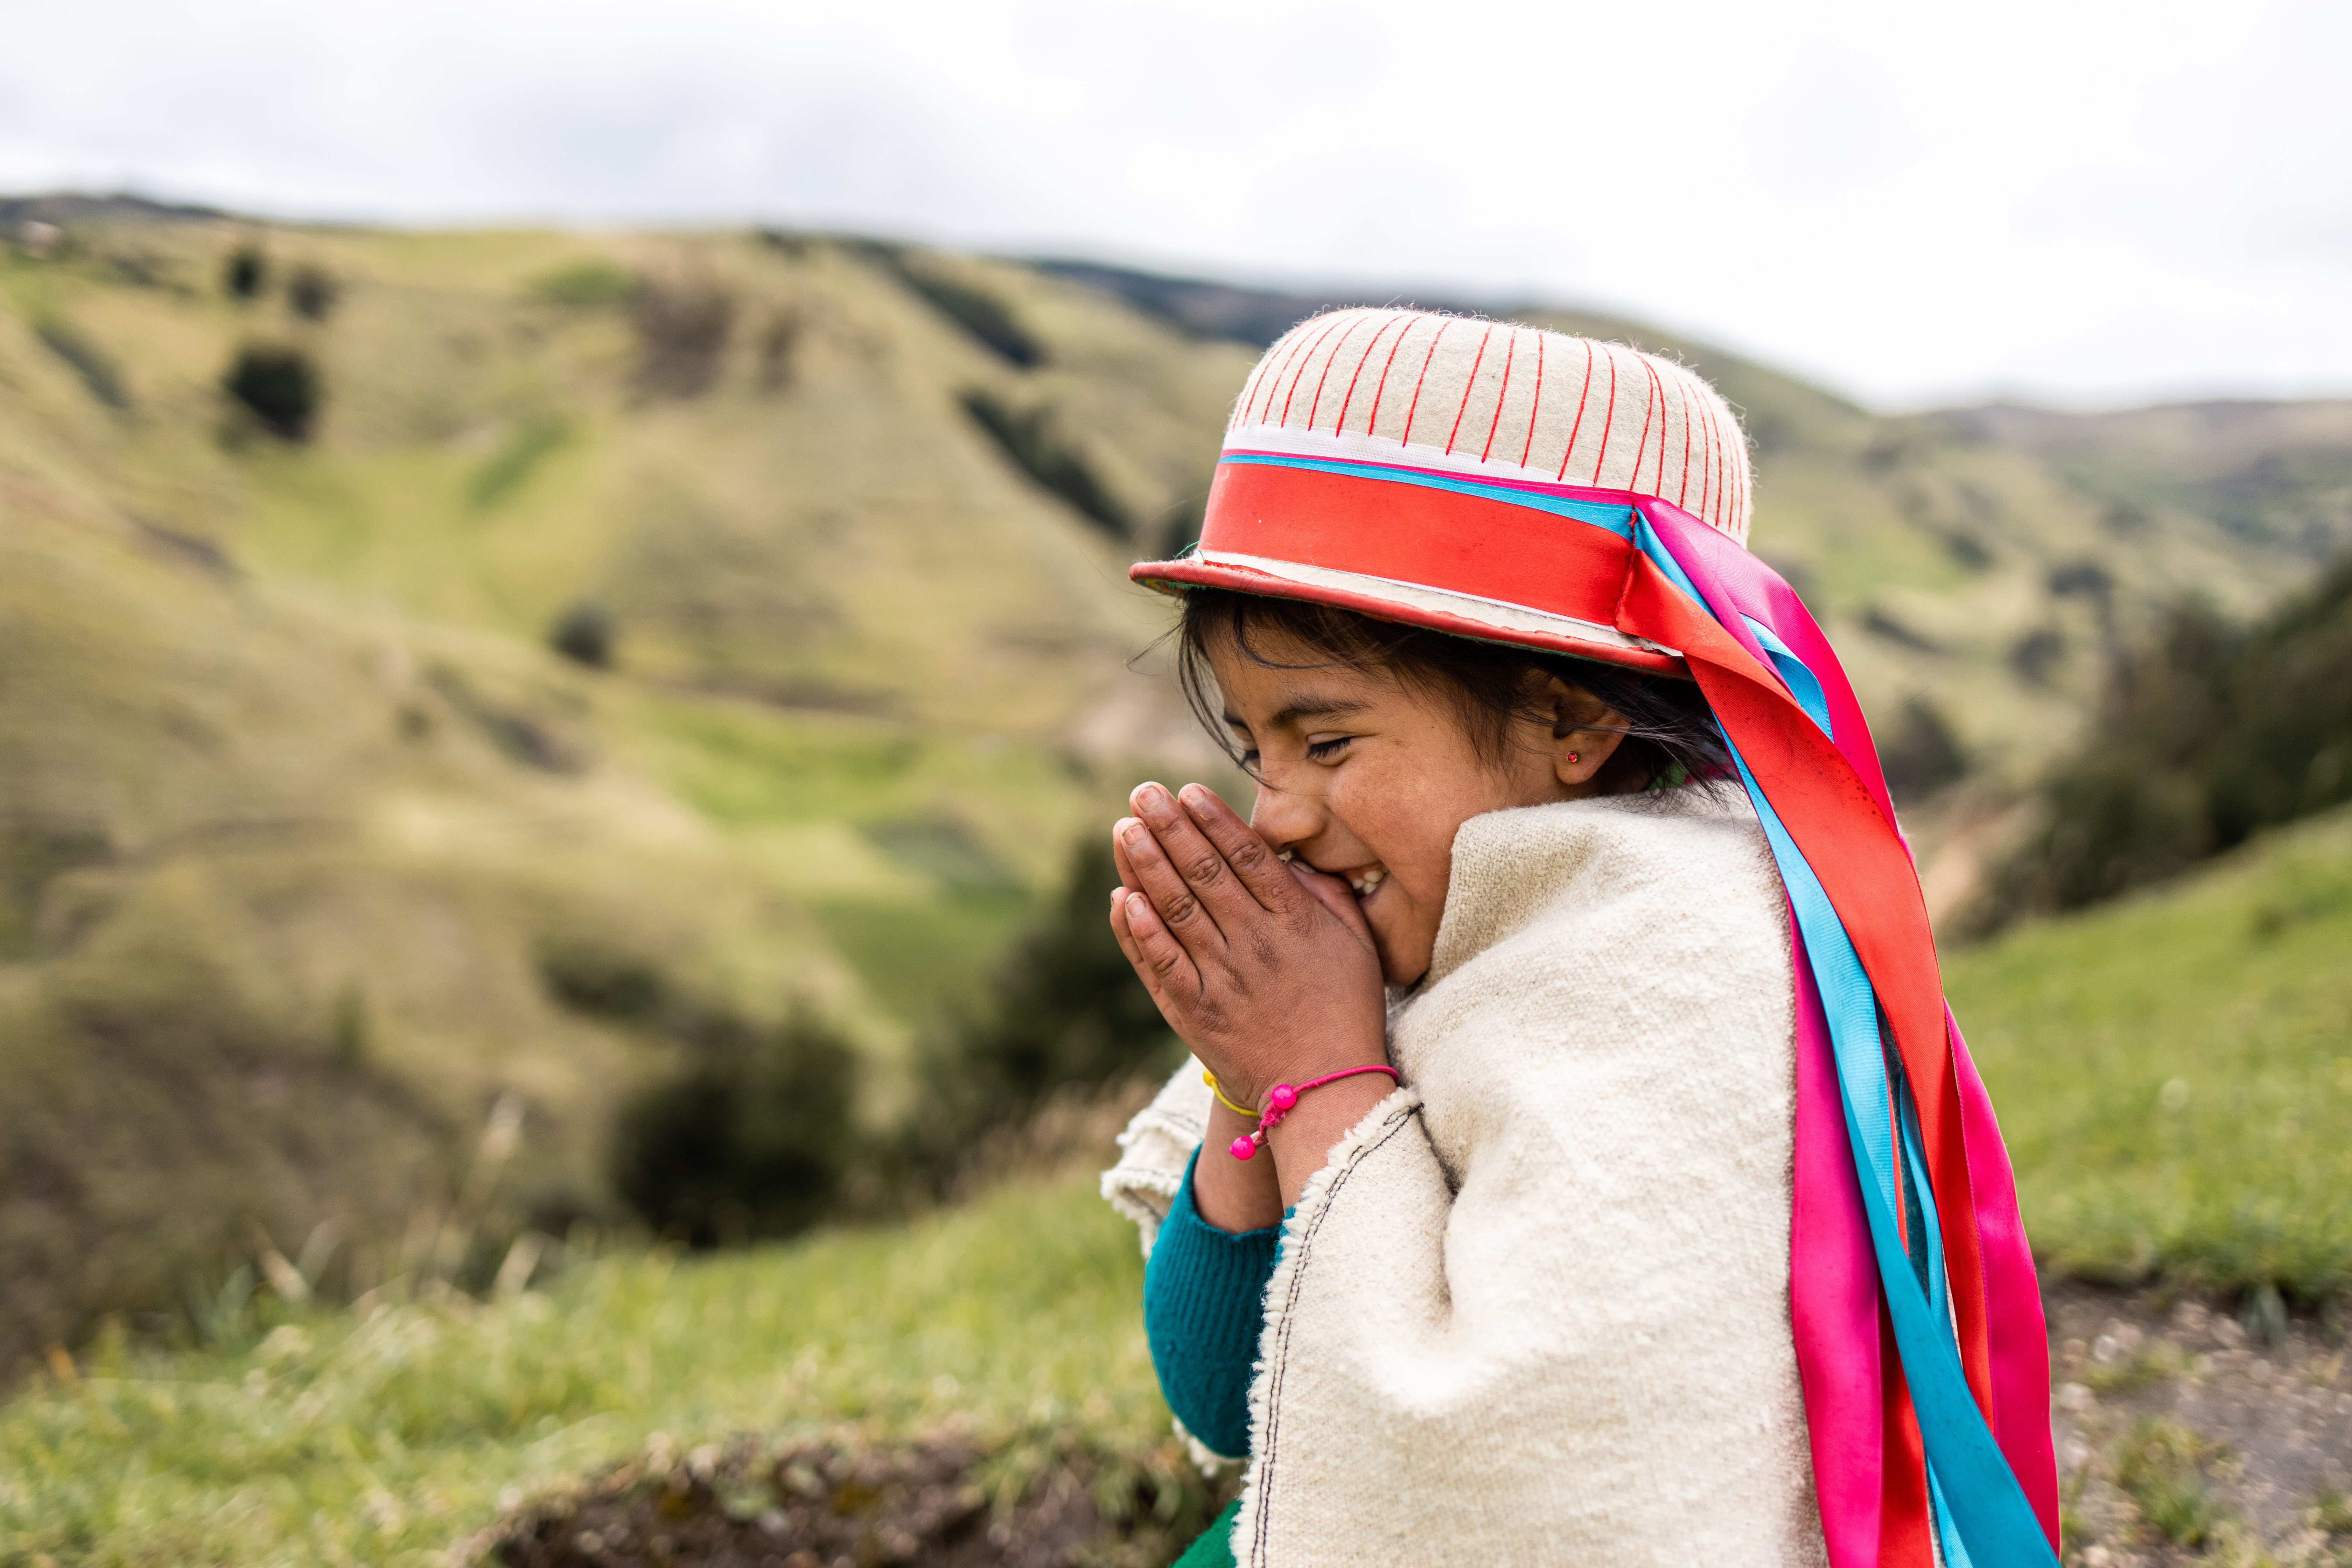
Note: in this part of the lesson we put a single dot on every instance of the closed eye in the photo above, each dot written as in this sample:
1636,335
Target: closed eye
1324,751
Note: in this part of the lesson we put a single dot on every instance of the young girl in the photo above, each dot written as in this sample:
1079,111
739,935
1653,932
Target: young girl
1579,1163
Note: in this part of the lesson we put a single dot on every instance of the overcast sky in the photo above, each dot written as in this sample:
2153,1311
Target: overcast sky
2086,203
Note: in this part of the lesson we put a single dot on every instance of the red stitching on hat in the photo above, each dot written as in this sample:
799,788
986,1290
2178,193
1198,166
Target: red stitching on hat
1373,417
1307,360
1414,407
1326,376
1583,398
1535,406
1642,447
1362,360
1511,351
1270,373
1467,388
1249,395
1682,393
1723,469
1706,478
1299,345
1609,421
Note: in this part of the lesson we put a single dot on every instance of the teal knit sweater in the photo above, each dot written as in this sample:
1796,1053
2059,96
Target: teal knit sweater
1203,1303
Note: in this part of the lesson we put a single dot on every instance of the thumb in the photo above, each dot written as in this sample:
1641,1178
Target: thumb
1333,894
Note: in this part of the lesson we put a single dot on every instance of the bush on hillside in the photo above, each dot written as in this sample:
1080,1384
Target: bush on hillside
585,633
988,319
778,342
1064,1009
277,386
1038,445
2208,734
313,292
1920,753
750,1141
683,326
246,273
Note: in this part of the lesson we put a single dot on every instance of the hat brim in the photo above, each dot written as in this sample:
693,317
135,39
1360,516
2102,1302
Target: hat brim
1382,599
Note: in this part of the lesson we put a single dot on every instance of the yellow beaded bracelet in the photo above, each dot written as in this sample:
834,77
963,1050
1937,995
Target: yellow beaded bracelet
1210,1079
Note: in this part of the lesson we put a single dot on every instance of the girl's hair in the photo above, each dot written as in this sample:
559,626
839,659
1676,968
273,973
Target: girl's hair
1670,732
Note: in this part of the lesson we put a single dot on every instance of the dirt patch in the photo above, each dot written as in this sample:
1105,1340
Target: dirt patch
2187,1435
938,1504
2184,1435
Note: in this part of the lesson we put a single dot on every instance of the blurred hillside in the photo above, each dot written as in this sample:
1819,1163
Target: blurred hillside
312,847
442,670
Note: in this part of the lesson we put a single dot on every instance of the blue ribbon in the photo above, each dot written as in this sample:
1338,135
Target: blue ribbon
1981,1511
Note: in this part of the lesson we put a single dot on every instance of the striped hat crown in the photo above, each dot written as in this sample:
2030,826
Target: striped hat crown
1501,402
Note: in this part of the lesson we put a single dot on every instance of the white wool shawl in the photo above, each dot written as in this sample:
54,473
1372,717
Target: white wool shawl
1535,1309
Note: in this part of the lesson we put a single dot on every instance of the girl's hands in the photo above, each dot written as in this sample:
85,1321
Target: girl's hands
1265,969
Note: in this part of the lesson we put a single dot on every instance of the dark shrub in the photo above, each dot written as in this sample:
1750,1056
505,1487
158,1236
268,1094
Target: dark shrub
1037,445
1064,1009
585,633
752,1140
2208,734
606,983
313,291
279,386
1920,753
682,332
246,273
985,318
776,345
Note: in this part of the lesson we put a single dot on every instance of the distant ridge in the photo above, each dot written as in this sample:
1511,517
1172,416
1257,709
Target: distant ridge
75,206
1235,312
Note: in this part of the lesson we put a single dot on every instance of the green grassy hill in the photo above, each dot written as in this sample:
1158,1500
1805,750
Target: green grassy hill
2174,1074
313,852
297,810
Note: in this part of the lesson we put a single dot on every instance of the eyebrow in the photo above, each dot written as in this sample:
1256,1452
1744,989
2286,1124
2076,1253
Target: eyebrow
1304,708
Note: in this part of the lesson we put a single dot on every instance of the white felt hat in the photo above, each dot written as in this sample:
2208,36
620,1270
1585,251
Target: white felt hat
1497,401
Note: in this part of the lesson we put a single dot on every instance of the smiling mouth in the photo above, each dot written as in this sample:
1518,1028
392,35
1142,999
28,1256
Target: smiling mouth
1365,886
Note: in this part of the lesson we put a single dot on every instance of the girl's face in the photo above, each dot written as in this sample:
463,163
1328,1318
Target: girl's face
1368,779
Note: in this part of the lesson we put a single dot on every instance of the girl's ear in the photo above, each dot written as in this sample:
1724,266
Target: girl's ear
1585,734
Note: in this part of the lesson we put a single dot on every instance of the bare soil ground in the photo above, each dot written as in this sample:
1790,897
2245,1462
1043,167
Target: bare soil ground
2185,1435
838,1506
2190,1435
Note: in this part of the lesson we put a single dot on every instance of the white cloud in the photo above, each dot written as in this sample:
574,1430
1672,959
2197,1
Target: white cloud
2086,201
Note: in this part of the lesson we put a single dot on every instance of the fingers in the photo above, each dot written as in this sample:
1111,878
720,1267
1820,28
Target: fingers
1159,959
1253,860
1123,932
1171,894
1198,860
1127,877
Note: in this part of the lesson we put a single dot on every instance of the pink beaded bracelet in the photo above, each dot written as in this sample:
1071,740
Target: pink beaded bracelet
1284,1096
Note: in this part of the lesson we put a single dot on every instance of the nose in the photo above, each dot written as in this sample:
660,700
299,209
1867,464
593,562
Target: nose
1283,819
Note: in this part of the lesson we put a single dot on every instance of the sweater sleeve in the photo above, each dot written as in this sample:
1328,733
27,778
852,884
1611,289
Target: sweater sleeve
1203,1304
